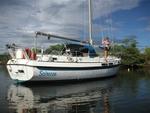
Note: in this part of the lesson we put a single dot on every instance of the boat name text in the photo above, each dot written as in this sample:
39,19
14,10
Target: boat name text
47,73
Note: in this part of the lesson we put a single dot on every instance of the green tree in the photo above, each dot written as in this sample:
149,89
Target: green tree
131,55
130,41
147,55
54,49
4,58
128,51
117,50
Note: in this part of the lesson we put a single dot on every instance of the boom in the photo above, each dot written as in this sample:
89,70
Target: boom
59,37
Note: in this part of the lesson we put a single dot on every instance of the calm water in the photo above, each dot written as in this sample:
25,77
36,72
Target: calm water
128,92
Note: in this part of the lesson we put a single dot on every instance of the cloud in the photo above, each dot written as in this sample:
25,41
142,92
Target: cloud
147,28
105,7
144,18
20,18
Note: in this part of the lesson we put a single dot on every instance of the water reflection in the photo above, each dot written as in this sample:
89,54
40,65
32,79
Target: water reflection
87,97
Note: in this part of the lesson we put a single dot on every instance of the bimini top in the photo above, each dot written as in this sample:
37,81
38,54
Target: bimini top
76,49
80,50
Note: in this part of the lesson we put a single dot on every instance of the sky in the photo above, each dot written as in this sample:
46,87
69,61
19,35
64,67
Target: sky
20,19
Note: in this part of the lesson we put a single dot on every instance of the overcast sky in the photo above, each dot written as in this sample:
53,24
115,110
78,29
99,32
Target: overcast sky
19,19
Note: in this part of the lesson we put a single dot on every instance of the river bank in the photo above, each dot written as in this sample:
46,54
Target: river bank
4,58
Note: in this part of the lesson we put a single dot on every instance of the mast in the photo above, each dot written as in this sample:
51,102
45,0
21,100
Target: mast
90,22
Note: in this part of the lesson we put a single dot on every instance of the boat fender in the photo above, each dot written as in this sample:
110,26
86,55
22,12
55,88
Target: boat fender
19,54
28,51
33,55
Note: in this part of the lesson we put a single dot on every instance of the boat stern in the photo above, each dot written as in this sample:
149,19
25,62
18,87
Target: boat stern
19,71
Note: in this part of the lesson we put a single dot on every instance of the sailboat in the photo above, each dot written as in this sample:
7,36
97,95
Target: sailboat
77,61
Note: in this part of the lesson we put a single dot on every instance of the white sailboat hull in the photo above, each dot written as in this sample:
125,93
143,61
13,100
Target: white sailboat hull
53,71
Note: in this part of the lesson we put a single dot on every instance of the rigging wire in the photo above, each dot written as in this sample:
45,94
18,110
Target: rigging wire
110,25
107,30
84,22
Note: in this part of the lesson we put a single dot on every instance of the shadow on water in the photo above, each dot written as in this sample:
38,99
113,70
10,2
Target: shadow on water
62,82
83,97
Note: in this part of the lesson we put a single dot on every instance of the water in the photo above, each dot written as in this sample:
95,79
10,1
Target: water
128,92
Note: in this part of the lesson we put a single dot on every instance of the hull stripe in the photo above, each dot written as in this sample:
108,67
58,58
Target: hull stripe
69,68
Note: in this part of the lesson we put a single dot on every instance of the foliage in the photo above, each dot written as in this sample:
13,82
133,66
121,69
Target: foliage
117,50
128,52
4,58
130,41
131,56
147,55
36,50
54,49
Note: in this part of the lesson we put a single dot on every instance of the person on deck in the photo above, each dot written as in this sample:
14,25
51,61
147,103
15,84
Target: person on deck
106,45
